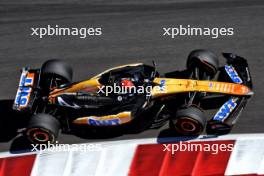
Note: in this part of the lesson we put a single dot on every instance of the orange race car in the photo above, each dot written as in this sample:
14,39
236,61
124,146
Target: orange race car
135,96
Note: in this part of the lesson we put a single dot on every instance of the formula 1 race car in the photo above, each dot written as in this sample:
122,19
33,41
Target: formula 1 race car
127,95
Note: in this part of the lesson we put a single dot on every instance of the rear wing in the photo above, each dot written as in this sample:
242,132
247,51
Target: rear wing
26,92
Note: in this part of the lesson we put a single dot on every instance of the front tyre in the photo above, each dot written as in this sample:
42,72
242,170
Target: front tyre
42,128
189,121
206,61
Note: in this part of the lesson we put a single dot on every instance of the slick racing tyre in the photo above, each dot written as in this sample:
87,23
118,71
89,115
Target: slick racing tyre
42,128
190,121
206,61
55,73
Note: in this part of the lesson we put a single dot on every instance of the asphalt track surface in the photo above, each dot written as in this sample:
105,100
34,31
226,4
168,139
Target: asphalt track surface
131,33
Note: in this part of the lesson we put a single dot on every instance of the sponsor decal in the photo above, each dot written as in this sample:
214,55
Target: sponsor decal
26,80
221,87
226,109
162,85
230,70
109,122
218,86
211,85
23,96
24,90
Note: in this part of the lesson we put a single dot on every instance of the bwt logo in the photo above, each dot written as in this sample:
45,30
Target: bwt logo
23,93
226,109
26,81
233,74
109,122
23,96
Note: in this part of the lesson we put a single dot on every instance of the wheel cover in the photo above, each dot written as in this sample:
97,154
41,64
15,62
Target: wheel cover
188,126
40,135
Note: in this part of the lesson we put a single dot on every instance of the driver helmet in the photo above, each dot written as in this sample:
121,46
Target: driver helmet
127,83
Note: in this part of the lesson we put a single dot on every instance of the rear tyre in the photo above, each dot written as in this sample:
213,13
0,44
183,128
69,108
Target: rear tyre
55,73
190,121
42,128
206,61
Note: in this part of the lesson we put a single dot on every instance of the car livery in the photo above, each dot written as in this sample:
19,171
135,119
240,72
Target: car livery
226,109
24,90
108,120
230,70
162,85
55,103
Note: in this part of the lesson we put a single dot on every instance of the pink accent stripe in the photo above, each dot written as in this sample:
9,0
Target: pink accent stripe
153,160
21,165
